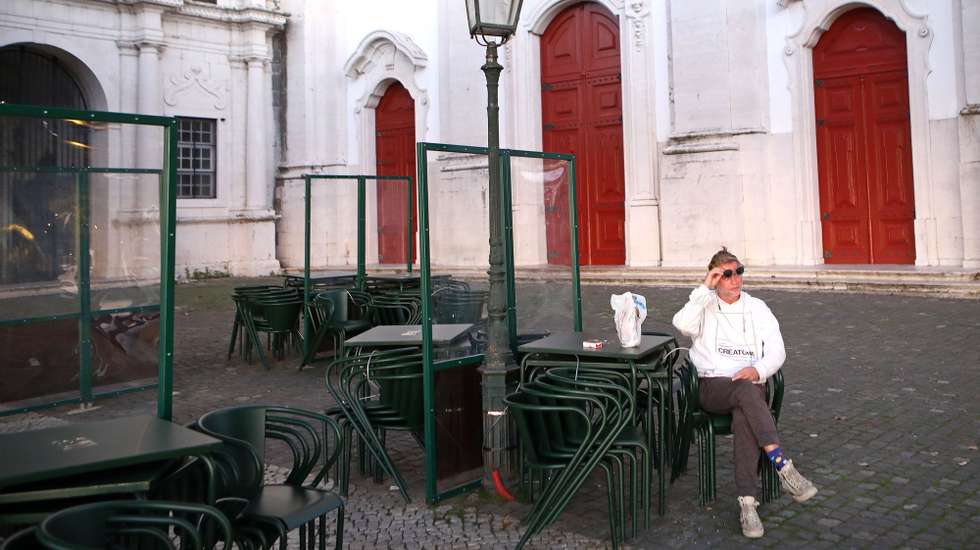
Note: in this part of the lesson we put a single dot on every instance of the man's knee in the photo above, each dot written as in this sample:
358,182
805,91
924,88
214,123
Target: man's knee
746,392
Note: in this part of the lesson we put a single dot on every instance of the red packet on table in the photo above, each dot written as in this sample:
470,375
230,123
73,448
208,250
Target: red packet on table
592,344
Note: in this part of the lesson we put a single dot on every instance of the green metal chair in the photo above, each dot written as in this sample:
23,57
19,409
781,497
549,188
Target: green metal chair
25,539
698,425
299,502
360,409
339,313
135,524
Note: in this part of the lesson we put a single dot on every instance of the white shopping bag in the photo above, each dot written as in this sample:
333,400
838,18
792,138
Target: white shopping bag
631,310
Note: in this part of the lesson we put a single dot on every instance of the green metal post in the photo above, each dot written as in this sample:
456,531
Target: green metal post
573,209
361,231
307,322
84,287
508,223
168,242
428,371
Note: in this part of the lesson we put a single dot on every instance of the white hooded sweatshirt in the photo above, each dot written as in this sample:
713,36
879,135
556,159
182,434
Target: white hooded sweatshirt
730,337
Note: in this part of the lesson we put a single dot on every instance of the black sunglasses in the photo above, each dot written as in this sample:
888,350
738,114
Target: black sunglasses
737,271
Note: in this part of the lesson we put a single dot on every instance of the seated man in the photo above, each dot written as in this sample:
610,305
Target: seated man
737,346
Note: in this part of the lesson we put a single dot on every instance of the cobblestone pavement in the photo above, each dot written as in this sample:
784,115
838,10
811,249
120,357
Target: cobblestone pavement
880,411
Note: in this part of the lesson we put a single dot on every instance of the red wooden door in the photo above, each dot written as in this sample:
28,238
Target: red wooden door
582,113
395,149
864,145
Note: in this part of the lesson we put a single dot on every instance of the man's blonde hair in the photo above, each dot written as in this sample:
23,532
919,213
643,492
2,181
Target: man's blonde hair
723,256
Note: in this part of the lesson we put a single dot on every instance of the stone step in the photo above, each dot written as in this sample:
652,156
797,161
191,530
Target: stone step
951,282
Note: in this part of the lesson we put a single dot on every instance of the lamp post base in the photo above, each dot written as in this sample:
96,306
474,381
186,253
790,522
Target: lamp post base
499,436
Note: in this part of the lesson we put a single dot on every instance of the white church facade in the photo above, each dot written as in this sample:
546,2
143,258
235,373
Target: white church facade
796,132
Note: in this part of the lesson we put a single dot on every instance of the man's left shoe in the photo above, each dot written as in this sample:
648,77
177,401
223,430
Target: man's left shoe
793,482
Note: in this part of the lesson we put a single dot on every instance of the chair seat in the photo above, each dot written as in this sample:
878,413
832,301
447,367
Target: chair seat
352,325
293,506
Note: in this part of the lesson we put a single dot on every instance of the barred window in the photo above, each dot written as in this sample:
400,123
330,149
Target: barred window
196,142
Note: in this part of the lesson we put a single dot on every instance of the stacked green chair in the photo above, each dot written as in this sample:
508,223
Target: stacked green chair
649,385
135,524
315,443
571,420
238,332
339,313
453,305
273,311
700,426
375,392
396,309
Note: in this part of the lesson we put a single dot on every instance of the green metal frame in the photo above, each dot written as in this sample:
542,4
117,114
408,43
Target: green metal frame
168,215
430,366
361,233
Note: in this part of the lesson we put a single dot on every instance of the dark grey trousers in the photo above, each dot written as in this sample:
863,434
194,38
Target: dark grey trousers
752,424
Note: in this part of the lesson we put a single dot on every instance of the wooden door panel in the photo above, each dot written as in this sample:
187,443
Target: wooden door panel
606,99
602,34
890,189
561,104
395,152
564,48
843,199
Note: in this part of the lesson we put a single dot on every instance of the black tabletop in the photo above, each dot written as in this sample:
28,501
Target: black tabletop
408,335
323,276
570,343
73,449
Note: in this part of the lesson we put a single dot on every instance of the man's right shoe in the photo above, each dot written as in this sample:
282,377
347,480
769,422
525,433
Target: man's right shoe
793,482
749,518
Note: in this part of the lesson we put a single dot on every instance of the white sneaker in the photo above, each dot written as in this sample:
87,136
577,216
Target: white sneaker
795,484
749,518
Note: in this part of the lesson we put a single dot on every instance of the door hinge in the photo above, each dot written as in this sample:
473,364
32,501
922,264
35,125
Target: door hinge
825,216
546,87
826,254
549,126
818,83
552,253
821,121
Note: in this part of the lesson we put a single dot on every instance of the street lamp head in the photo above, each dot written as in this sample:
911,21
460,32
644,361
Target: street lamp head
492,21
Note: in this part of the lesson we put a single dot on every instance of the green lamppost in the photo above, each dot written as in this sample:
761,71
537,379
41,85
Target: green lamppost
491,23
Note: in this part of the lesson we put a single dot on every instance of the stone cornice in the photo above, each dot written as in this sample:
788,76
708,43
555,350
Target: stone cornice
188,8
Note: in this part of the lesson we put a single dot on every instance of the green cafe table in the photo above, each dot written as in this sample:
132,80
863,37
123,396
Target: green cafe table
644,361
122,455
408,335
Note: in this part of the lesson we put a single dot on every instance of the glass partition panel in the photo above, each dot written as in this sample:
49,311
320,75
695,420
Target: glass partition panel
39,362
38,243
333,224
124,240
80,254
544,253
455,200
391,221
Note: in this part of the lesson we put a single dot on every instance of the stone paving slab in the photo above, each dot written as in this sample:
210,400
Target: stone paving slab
880,411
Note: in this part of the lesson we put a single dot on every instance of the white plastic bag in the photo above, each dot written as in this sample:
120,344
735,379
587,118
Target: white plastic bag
631,310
